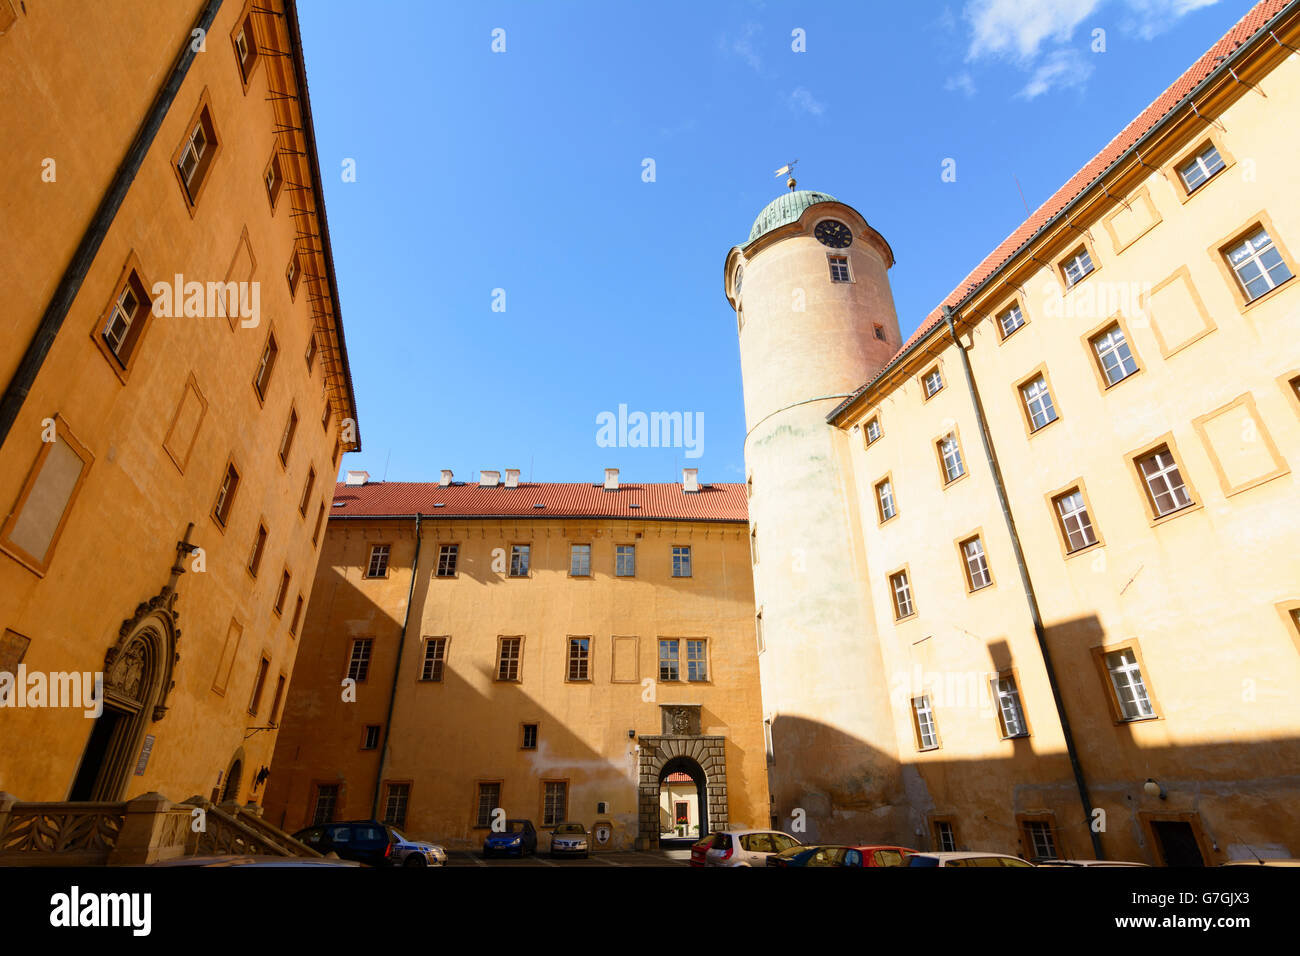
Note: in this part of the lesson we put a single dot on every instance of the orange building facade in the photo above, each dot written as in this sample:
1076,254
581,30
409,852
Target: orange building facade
177,394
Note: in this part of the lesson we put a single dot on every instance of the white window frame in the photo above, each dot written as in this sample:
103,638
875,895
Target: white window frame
1016,315
950,452
379,553
1112,346
901,590
1254,254
926,732
840,268
1011,712
1038,402
1077,513
873,430
931,377
977,565
885,500
1164,480
195,147
1130,689
1075,264
123,316
1205,169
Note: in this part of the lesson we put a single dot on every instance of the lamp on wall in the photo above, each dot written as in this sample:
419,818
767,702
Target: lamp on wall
1153,789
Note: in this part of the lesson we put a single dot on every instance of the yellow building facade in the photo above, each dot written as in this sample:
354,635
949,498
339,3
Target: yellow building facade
552,651
177,394
1069,500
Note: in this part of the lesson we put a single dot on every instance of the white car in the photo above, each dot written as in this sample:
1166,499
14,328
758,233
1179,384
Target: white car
408,852
747,847
1069,863
570,839
965,858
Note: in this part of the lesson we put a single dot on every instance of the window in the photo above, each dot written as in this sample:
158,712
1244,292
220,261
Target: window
255,702
740,279
669,665
926,736
519,561
193,160
297,615
377,567
529,737
1011,717
1075,524
885,501
1258,264
625,561
555,802
509,652
325,418
310,356
839,268
950,459
1078,265
681,561
1166,492
128,316
291,275
769,750
945,836
286,440
873,430
1038,402
753,545
306,491
226,495
1129,688
395,805
697,665
1041,843
1011,320
879,331
580,560
1196,172
435,658
273,178
489,796
327,795
359,660
265,366
1114,355
276,701
282,594
370,737
259,547
320,520
448,554
933,382
245,47
901,590
758,631
579,658
977,566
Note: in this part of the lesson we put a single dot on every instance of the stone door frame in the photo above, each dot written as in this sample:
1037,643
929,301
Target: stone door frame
656,751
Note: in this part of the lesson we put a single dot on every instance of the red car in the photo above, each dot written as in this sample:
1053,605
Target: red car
699,848
884,855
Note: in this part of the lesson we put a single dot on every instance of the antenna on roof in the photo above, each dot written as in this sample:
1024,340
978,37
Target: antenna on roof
386,461
788,168
1022,194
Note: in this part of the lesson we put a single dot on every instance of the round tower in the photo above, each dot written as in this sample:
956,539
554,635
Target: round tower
816,321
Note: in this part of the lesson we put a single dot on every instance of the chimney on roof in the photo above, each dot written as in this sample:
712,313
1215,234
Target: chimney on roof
690,479
357,478
445,480
512,477
611,479
489,479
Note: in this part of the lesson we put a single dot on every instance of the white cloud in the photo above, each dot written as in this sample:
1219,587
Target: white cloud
803,101
1037,36
1060,69
960,83
743,45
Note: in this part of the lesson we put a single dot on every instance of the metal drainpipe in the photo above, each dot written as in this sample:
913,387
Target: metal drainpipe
24,377
1030,596
397,670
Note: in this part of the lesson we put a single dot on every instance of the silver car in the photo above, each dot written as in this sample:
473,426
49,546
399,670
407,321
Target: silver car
408,852
965,858
747,847
570,838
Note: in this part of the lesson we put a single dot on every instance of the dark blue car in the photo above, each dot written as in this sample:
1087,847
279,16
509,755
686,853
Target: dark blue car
518,839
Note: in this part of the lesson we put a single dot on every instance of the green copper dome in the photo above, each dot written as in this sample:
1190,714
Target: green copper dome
785,209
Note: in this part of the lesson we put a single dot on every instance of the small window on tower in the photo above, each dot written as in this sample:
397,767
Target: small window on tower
839,268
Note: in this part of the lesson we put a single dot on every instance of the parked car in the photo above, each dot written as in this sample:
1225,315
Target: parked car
746,847
816,855
876,854
570,839
366,841
965,859
1266,861
518,838
408,852
699,848
1069,863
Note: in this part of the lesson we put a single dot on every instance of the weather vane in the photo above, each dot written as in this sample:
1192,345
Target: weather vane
788,168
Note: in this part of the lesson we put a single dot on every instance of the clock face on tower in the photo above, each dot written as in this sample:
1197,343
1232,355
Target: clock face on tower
835,234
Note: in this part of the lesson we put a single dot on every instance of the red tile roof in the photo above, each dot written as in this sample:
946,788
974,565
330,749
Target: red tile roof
718,502
1245,28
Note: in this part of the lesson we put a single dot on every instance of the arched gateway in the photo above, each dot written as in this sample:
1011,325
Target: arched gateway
699,757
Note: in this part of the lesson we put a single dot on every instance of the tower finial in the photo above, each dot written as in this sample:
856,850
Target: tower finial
788,168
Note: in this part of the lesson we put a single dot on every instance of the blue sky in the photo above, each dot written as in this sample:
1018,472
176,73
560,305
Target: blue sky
522,171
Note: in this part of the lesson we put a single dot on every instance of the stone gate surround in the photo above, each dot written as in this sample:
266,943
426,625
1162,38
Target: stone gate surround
709,752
